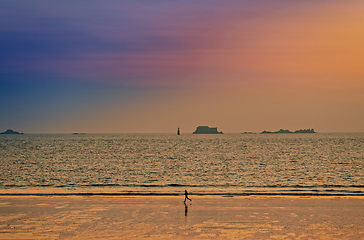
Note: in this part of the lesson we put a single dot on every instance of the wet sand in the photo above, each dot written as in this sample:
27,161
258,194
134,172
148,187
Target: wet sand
82,217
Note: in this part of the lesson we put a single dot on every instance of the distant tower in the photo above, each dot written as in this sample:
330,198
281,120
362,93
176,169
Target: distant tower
178,133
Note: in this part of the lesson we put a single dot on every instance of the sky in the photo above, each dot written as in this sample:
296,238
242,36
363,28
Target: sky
153,66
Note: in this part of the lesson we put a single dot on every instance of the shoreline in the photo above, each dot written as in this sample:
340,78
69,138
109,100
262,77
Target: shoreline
166,217
192,192
154,191
179,194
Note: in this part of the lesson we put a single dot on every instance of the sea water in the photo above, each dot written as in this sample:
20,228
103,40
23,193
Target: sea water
167,164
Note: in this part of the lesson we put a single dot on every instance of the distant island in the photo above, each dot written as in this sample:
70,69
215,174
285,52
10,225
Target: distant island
9,131
206,130
287,131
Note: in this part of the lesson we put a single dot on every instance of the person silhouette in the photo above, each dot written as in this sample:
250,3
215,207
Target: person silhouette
186,196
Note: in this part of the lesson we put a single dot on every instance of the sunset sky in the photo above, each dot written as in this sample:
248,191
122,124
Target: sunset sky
152,66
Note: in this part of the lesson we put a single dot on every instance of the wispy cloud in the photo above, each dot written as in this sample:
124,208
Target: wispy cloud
119,40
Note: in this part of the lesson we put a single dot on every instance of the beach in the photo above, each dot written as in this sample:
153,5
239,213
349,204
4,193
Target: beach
167,217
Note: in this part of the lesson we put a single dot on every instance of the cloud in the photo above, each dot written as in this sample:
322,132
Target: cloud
169,42
118,40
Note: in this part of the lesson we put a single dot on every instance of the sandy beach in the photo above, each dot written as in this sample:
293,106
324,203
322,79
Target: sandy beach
83,217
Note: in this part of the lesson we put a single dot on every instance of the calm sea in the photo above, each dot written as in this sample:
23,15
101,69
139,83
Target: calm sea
167,164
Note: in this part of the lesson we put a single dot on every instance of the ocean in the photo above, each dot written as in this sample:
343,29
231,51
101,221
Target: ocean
167,164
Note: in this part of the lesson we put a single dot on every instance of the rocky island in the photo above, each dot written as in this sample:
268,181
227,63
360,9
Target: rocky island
287,131
206,130
9,131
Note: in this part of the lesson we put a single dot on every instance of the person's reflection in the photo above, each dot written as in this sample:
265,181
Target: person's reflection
186,209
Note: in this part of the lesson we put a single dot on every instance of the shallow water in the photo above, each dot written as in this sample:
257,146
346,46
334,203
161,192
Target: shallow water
322,163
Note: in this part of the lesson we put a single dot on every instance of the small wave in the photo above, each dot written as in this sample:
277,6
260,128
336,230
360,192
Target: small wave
43,185
354,193
357,186
177,185
222,187
103,185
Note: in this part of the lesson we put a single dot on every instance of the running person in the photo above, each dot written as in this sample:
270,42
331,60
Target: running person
186,196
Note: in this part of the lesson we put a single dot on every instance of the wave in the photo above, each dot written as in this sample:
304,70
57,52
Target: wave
181,194
177,185
178,189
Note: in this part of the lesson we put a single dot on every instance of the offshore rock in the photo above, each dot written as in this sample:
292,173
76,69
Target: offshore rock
287,131
9,131
206,130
